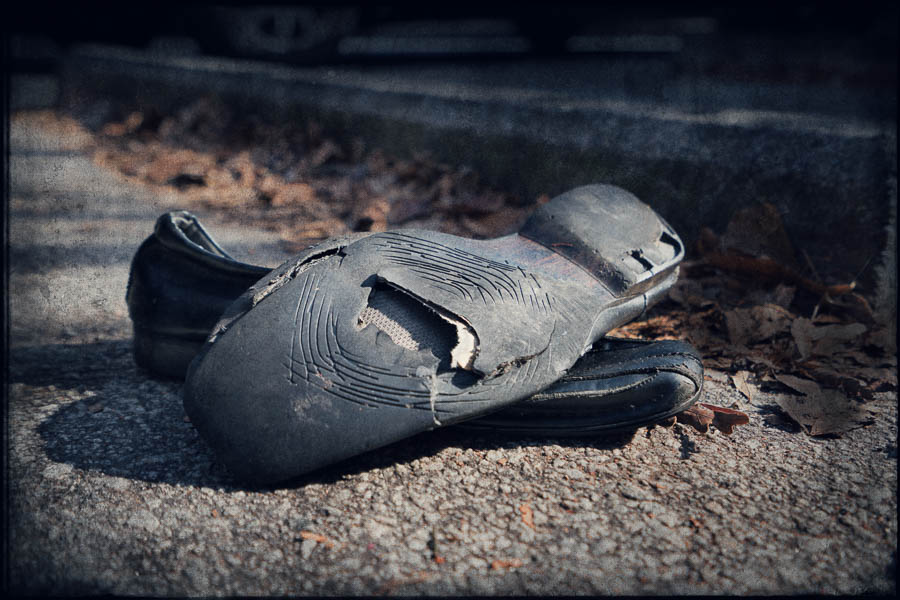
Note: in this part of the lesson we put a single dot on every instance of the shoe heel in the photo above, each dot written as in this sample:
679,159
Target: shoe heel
163,354
611,234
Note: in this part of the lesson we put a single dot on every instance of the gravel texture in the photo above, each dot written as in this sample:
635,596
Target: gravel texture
111,491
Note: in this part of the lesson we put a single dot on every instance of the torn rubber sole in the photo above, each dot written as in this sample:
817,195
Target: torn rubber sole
294,376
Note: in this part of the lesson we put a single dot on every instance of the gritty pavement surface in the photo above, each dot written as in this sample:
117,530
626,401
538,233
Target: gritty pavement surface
112,491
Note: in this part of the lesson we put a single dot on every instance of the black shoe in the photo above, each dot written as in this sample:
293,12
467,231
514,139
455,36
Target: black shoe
618,385
179,285
357,343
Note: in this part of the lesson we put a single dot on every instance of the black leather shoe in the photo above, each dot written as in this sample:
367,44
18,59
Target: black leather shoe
360,342
182,280
619,384
179,285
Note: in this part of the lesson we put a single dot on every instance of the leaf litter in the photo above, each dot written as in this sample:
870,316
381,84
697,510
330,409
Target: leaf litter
750,311
745,300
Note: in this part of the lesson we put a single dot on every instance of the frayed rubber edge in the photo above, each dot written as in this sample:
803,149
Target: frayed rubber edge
283,278
463,354
269,287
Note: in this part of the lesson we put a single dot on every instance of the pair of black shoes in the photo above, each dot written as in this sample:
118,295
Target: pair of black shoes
366,339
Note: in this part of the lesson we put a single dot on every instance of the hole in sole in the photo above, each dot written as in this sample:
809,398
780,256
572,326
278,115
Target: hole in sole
641,259
410,324
669,246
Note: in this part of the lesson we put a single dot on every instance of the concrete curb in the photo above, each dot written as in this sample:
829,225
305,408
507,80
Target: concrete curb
825,174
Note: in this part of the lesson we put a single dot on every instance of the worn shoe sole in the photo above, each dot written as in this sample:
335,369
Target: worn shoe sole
182,280
352,346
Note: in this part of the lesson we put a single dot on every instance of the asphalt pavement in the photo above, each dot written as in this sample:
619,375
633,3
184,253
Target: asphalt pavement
111,490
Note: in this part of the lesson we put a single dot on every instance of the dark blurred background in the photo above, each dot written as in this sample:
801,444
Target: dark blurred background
646,44
361,33
703,106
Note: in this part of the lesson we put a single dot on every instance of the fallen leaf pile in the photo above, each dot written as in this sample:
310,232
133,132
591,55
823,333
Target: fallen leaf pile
759,318
745,300
295,180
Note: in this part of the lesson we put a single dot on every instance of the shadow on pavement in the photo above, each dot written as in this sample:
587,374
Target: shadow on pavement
123,423
111,417
431,443
42,258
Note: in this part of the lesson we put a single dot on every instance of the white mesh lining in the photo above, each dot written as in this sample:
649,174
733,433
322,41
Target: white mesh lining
409,323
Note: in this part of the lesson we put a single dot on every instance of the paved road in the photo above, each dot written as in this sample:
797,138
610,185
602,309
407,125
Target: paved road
112,491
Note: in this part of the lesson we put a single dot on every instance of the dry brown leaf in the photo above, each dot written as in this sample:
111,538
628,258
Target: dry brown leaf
802,332
689,294
850,385
856,306
726,419
783,295
758,358
718,362
820,411
823,340
758,231
884,385
883,379
885,339
739,380
756,324
698,417
321,539
527,515
825,319
506,564
701,415
830,338
804,386
866,360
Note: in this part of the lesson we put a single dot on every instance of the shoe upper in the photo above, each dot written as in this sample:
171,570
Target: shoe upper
179,284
